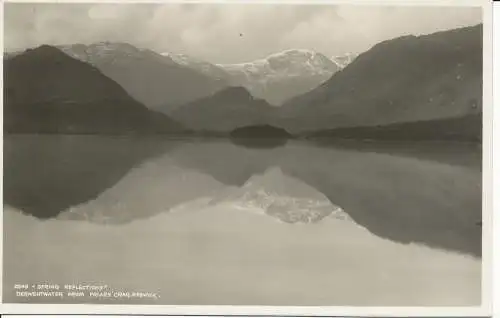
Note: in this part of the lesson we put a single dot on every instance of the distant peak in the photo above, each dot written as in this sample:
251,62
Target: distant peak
114,44
44,50
286,53
104,46
295,52
45,47
182,58
234,91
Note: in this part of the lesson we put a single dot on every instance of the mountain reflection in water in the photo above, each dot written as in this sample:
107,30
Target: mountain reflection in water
401,198
211,222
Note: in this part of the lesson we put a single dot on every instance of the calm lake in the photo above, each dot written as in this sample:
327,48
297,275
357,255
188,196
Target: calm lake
210,222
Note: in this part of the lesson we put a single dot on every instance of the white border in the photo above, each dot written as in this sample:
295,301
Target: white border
496,171
484,310
422,3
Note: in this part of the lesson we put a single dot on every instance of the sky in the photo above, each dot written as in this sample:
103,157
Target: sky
226,33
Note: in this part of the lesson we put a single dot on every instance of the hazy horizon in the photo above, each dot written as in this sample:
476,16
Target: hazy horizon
228,33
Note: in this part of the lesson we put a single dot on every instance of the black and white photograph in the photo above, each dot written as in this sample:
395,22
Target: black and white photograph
244,154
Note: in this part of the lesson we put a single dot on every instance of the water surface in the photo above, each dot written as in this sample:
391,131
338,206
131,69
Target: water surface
212,222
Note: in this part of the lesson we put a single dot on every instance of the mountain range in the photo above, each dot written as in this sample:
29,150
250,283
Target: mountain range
433,79
170,80
428,86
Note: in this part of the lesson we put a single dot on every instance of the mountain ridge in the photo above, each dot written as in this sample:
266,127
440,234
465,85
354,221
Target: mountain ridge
151,78
409,78
275,78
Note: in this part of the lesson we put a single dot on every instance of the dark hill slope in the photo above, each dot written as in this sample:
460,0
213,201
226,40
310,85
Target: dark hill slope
46,91
407,79
465,128
224,111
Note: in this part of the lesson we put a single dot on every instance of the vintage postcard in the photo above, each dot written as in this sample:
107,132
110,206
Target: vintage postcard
257,158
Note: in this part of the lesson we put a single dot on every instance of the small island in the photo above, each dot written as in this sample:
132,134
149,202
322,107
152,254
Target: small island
260,131
260,136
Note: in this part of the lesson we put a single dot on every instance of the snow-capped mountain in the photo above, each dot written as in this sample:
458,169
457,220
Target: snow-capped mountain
344,60
151,78
199,65
113,52
283,75
285,64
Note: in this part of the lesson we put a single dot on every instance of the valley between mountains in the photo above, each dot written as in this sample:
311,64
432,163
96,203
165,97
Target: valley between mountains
428,86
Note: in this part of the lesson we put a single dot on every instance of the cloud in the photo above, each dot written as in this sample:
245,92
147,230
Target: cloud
225,33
